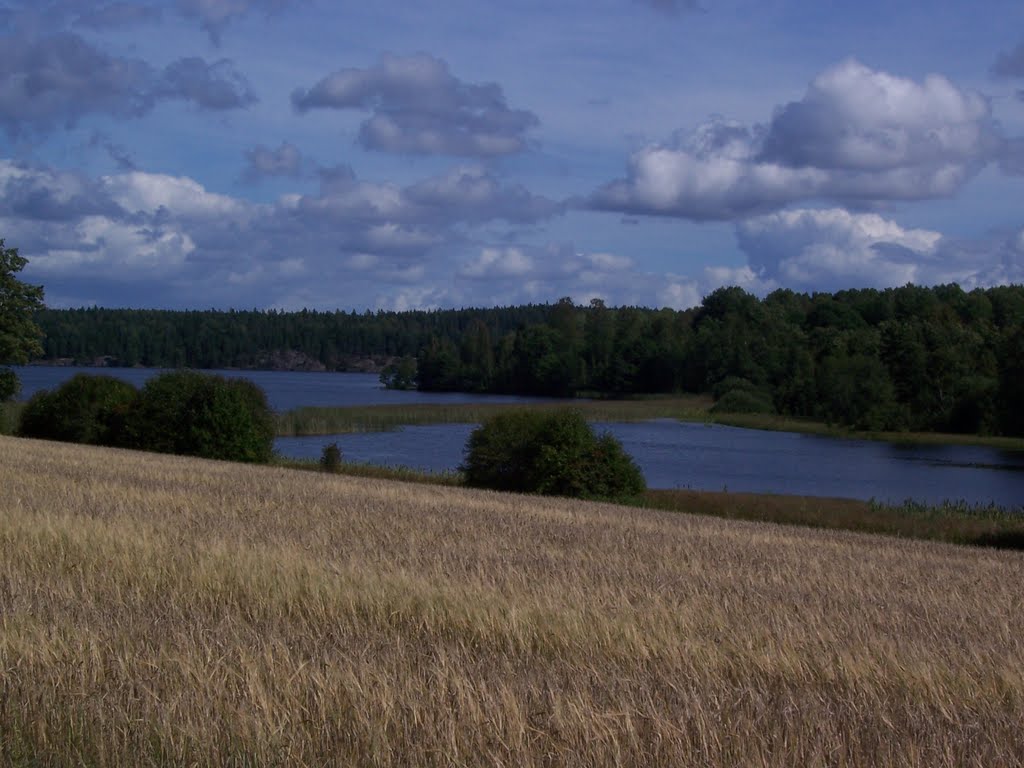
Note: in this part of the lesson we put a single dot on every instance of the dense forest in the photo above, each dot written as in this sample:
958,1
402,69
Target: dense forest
249,339
934,359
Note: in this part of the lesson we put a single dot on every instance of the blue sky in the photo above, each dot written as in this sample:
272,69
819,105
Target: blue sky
305,153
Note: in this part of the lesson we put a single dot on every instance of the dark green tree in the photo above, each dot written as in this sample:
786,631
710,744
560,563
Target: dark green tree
1011,382
85,409
196,414
19,334
400,374
552,453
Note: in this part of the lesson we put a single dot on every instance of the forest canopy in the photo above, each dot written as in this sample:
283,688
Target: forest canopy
931,359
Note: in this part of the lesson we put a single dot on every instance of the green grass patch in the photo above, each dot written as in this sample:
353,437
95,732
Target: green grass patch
787,424
10,413
955,522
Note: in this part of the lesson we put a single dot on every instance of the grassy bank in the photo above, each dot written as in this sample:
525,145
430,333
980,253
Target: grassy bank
376,418
694,408
785,424
953,522
162,611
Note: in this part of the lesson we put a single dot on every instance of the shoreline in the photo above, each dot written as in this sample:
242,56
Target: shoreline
694,409
312,421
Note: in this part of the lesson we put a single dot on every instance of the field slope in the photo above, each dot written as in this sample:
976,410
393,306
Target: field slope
158,610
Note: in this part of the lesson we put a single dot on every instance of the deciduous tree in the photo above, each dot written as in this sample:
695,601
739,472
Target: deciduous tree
19,334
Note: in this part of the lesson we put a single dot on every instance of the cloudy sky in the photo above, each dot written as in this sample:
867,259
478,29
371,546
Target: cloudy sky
397,155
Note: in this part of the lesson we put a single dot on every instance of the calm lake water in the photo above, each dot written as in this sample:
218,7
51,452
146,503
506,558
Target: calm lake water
285,390
671,454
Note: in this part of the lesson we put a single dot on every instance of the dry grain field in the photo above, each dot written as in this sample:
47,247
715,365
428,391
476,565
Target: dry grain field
157,610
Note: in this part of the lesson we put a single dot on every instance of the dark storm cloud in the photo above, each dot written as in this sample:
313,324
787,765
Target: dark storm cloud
419,107
54,81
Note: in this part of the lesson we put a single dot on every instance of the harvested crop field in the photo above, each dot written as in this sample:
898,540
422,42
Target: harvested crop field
158,610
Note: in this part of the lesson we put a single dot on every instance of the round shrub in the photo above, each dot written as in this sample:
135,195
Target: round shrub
552,453
196,414
84,409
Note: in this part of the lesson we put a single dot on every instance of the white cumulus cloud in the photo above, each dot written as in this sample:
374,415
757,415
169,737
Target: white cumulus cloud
858,135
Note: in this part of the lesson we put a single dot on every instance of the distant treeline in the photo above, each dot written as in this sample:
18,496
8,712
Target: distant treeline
248,339
928,359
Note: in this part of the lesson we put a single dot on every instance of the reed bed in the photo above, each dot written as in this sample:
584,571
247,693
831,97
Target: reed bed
159,610
787,424
379,418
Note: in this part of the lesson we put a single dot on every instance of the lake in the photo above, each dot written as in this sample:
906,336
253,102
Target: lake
285,389
671,454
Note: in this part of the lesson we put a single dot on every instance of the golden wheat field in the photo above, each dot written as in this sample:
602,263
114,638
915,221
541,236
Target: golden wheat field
160,610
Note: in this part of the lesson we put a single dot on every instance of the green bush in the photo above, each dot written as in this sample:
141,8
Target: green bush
85,409
552,453
732,384
743,401
330,459
196,414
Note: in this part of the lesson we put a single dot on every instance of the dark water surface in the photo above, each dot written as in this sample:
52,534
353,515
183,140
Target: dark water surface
714,458
671,454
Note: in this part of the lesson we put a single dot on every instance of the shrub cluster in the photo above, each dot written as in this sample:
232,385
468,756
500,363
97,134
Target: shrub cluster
85,409
552,453
183,412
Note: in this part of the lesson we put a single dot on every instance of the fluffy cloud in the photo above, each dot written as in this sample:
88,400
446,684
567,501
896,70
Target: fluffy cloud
262,161
53,81
419,107
352,243
502,275
835,249
858,135
59,79
493,263
53,196
97,246
479,195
